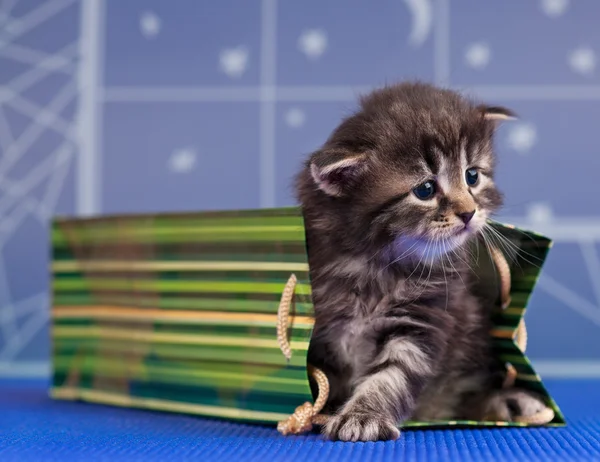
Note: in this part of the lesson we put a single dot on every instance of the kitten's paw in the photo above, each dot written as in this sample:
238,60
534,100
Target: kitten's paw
360,427
515,405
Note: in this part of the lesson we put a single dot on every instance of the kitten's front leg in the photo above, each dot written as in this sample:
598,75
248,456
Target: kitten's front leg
370,414
386,392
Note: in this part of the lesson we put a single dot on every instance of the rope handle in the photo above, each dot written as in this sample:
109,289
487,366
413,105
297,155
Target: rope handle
505,285
307,414
283,316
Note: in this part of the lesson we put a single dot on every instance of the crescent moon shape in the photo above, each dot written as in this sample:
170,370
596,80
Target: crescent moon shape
421,20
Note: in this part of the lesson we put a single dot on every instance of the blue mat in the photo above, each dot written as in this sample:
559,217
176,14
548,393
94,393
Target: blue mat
33,427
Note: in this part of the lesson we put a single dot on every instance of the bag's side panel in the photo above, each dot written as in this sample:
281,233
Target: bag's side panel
179,312
526,253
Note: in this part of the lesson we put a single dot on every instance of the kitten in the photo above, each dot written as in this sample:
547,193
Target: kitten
390,202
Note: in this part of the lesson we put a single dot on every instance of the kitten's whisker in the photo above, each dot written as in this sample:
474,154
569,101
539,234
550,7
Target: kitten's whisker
489,250
428,279
502,243
447,255
471,263
415,287
422,271
446,281
454,268
468,256
469,251
430,248
420,260
516,249
459,257
396,260
402,256
372,257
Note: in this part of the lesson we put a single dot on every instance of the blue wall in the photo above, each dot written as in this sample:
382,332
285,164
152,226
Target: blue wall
147,105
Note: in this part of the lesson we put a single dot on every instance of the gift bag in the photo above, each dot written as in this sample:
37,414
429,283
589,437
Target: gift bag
210,313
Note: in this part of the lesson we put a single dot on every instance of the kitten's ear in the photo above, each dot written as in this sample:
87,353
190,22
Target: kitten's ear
496,113
335,171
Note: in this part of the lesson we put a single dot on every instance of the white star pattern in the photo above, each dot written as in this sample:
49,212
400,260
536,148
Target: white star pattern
478,55
313,43
582,61
233,61
295,118
522,137
554,8
540,212
150,24
182,160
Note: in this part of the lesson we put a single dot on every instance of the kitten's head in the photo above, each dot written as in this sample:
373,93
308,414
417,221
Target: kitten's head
412,169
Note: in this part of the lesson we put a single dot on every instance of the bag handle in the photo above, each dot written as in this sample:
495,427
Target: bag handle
306,414
505,285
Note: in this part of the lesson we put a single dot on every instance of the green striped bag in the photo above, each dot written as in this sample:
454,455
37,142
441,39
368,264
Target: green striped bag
181,313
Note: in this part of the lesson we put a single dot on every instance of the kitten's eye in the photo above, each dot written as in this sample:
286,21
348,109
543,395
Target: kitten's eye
472,176
425,191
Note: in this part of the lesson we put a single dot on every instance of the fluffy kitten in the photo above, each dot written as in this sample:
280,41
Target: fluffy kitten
390,201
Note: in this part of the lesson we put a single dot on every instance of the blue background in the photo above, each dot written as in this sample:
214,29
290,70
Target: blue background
158,95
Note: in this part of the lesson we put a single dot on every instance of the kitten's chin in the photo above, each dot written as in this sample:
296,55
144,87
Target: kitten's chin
425,249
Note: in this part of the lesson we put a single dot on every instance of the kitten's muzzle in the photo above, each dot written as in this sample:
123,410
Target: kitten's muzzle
466,216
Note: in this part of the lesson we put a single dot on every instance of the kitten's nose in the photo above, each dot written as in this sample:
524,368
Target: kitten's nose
466,216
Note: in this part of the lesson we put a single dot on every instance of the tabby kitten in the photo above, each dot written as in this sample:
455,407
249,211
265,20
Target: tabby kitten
391,202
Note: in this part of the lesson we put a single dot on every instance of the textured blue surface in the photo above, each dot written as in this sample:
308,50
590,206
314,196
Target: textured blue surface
32,427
